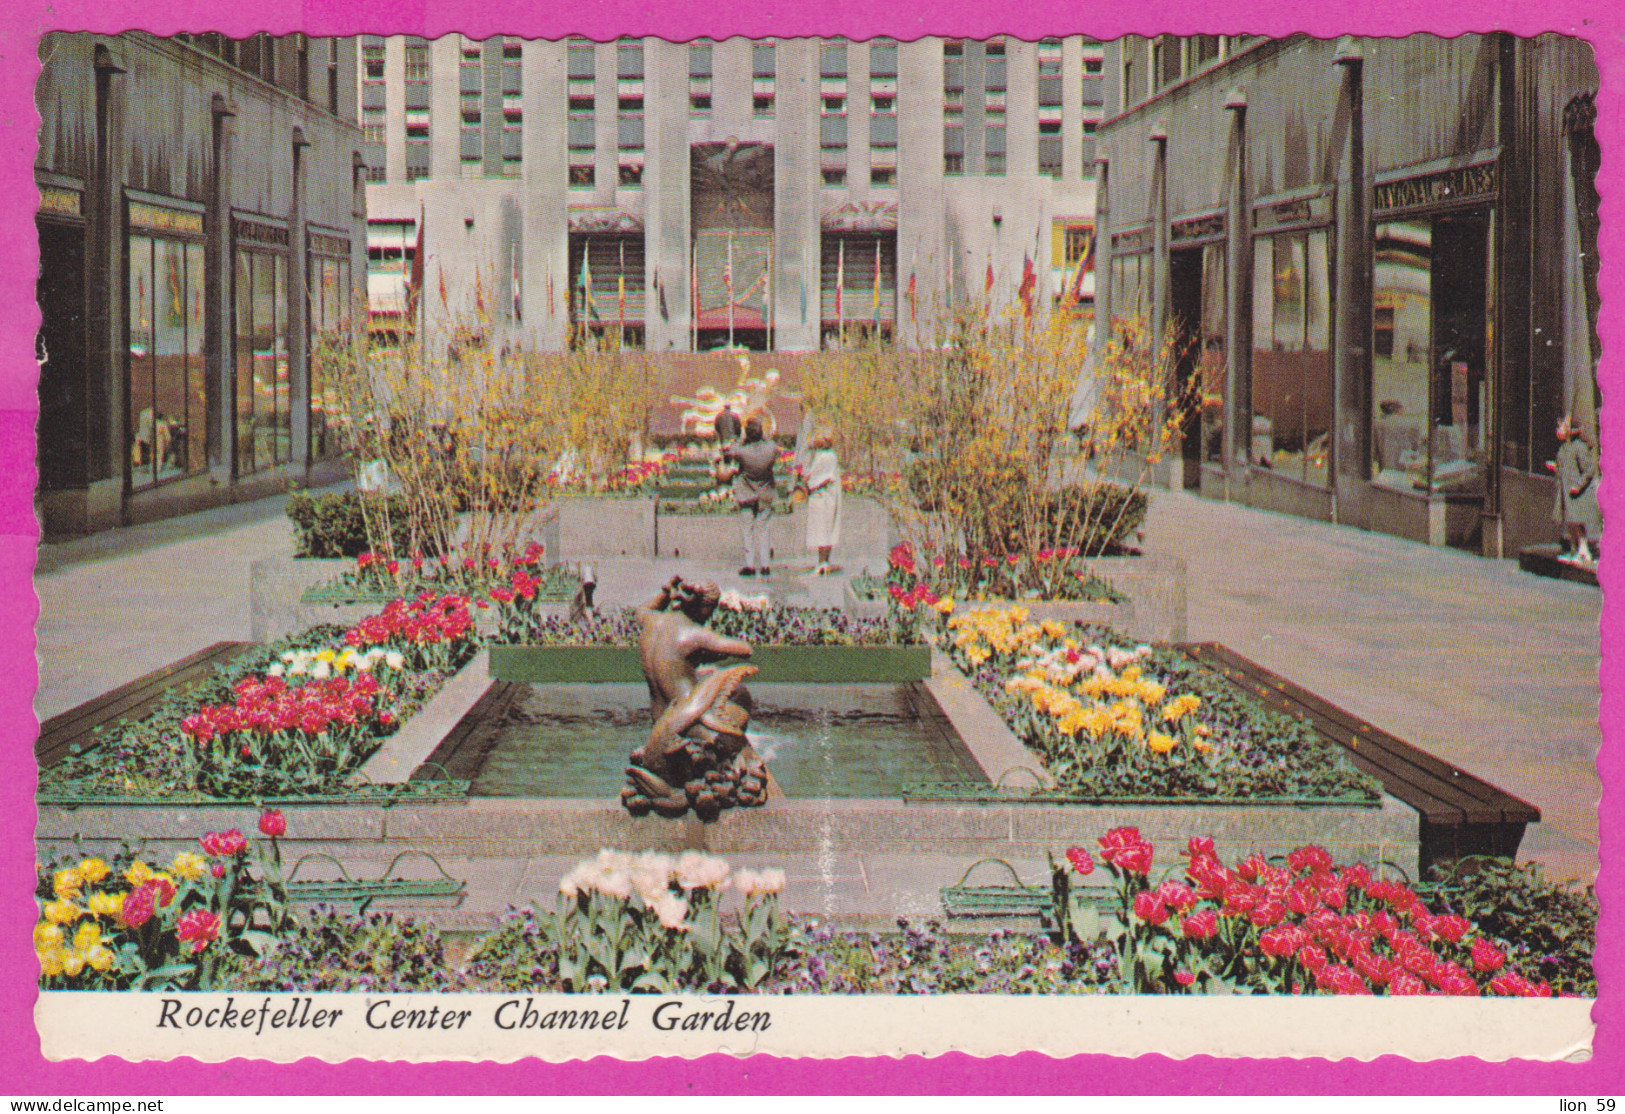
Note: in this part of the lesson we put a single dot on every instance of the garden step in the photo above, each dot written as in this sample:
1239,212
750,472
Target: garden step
61,733
1461,815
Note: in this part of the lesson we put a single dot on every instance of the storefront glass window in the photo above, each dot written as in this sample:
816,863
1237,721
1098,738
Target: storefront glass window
264,434
1292,367
1431,417
1402,336
166,379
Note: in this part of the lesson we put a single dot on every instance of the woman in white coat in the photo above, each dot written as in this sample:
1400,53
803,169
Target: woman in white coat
823,488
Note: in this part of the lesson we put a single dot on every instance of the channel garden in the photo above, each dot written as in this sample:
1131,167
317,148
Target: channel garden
446,685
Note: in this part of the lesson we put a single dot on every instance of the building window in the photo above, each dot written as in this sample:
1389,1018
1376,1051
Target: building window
264,418
417,62
471,82
581,127
629,60
1292,363
168,400
764,77
331,299
832,59
1432,298
995,149
880,175
699,78
391,247
417,109
372,59
834,176
513,111
883,58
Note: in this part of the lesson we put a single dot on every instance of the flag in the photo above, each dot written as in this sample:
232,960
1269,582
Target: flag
874,301
518,314
803,281
728,270
479,293
1029,283
989,286
913,290
442,273
660,292
840,277
588,309
620,288
550,305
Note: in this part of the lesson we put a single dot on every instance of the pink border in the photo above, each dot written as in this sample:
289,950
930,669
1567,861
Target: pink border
24,1072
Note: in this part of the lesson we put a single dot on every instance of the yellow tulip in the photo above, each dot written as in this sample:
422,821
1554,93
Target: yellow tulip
1160,743
62,912
67,884
138,873
189,865
94,870
105,904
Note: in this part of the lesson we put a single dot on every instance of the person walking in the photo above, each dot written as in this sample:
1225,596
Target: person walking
752,460
822,486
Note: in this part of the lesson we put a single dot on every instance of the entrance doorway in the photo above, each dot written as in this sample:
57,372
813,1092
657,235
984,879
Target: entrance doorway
61,347
1185,308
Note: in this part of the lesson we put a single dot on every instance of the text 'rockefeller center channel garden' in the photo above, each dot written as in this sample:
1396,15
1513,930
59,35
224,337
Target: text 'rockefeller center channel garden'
818,516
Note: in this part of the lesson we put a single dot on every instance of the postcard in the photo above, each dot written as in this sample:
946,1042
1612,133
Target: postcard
678,540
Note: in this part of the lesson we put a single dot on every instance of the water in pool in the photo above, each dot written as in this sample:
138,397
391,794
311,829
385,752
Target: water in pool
864,740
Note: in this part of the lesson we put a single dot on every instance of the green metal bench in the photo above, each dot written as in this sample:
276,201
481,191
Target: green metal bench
362,892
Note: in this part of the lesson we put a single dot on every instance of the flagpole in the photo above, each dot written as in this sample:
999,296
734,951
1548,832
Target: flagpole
694,296
767,295
840,288
620,297
730,288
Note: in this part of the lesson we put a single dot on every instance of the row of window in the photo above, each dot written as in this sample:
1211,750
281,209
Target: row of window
167,432
483,73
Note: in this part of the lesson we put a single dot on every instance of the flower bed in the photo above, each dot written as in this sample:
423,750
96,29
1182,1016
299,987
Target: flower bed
1046,574
821,645
1305,927
1112,722
125,925
753,619
376,579
294,718
690,922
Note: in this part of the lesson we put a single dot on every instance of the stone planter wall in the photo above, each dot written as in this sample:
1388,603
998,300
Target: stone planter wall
586,528
1153,612
867,533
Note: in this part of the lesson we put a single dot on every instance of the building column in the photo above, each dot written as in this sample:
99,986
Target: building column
666,196
1351,303
298,310
922,212
1159,275
104,300
797,199
544,212
1238,424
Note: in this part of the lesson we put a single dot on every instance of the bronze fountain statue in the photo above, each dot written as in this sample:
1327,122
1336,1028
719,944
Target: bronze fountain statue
697,755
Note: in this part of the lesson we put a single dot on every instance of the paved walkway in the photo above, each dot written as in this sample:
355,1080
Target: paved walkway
1491,669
